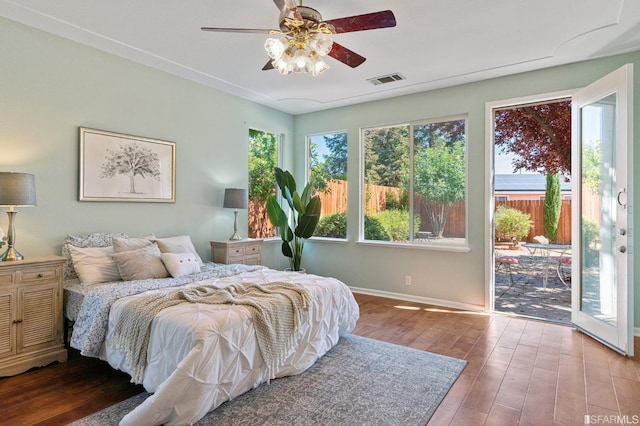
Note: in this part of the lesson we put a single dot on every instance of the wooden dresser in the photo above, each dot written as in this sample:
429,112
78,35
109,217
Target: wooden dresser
31,332
245,251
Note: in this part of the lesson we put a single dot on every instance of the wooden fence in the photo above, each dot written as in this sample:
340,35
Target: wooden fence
376,196
536,209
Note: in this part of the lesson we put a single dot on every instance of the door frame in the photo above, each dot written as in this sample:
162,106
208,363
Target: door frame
490,108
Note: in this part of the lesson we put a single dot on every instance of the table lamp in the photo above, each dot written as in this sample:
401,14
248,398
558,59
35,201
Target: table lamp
235,198
16,190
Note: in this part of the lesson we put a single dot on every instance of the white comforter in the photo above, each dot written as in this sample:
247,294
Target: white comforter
201,355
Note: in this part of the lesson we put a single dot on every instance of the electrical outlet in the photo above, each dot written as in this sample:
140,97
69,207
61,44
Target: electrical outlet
407,280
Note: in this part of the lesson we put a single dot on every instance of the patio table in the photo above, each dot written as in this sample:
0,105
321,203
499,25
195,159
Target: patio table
546,249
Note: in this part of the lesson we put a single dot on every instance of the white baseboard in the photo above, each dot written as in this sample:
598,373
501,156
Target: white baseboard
419,299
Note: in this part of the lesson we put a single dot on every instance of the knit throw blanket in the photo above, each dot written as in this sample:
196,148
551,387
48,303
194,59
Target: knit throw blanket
278,310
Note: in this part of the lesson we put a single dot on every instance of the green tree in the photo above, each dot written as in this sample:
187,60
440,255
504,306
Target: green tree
440,179
335,163
591,159
552,206
320,178
263,158
386,154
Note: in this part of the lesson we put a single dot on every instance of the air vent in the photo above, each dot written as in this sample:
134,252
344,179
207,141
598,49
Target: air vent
384,79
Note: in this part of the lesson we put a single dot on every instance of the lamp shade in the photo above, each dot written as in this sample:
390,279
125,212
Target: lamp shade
17,189
235,198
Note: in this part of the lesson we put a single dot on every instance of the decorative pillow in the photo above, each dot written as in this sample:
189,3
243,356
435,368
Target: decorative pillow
91,240
129,244
94,264
179,264
180,244
141,264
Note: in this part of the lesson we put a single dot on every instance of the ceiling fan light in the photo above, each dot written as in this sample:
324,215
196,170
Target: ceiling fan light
301,61
321,43
317,65
275,47
284,64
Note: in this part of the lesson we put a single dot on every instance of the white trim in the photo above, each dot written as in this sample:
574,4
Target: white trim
415,246
419,299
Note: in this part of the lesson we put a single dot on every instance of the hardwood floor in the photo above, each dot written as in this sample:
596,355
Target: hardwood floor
519,371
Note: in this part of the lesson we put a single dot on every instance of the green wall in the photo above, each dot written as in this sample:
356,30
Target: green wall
50,86
455,279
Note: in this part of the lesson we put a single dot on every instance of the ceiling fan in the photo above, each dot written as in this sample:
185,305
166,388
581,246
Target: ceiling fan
304,38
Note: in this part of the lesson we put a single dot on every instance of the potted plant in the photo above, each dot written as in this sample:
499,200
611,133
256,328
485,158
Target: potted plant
305,214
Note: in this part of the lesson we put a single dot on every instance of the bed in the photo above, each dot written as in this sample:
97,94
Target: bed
198,355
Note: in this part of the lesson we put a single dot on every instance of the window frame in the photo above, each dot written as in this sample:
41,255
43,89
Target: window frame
412,244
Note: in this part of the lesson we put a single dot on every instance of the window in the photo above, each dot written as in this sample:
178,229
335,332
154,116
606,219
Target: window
502,198
327,170
415,182
263,158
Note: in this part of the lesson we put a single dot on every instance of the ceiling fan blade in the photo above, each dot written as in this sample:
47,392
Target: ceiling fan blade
288,9
345,55
368,21
237,30
268,66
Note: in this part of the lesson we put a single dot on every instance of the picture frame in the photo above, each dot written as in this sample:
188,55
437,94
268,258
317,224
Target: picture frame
107,174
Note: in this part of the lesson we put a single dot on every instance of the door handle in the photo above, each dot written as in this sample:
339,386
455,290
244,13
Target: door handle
622,194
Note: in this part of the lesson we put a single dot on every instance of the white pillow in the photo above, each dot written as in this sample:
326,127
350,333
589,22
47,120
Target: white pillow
180,244
94,264
179,264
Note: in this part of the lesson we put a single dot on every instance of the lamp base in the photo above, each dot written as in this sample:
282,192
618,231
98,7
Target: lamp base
10,255
235,237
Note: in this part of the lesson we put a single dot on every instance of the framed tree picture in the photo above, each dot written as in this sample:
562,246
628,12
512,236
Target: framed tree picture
118,167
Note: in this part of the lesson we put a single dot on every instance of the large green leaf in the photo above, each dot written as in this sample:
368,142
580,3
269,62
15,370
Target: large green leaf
277,216
288,195
287,181
306,194
286,249
307,222
297,203
278,173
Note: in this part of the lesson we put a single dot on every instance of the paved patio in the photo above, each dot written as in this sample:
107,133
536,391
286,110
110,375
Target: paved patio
525,294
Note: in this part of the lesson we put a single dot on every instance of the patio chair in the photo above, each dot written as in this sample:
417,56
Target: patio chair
506,262
563,268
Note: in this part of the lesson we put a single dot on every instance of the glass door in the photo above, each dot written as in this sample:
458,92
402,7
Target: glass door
602,292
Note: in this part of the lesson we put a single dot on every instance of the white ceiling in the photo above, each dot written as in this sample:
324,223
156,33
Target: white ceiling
436,43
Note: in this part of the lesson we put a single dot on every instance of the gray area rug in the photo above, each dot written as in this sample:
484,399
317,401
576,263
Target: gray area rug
359,382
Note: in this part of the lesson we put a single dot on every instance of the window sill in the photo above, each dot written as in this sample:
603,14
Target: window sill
414,246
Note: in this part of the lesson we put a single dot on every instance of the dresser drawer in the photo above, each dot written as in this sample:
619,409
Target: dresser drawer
38,275
235,251
6,278
253,249
252,260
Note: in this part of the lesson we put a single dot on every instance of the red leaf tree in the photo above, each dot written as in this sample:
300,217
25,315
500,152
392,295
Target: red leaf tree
539,135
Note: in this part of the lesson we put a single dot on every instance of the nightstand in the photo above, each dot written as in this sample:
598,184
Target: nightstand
245,251
31,314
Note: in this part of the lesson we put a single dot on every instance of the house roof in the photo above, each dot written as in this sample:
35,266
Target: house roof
526,182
